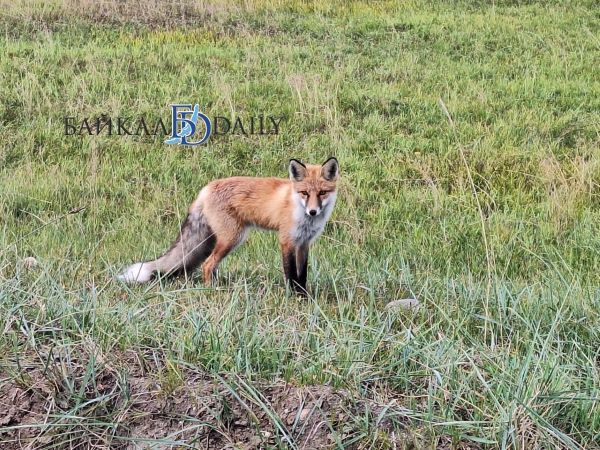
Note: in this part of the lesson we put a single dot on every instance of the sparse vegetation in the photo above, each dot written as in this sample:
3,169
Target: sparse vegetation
468,137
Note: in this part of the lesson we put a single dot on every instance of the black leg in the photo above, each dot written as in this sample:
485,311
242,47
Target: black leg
302,265
290,271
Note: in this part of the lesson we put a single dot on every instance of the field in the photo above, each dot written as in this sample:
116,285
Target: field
468,135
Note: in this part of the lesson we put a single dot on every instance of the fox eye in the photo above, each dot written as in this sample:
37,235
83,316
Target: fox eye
323,192
304,193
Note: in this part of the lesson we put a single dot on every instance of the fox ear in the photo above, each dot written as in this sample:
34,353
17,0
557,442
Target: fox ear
330,169
297,170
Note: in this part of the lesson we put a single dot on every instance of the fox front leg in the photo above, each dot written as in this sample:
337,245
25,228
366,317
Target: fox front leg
290,270
302,265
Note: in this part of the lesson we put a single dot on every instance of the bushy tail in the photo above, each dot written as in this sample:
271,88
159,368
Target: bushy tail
194,244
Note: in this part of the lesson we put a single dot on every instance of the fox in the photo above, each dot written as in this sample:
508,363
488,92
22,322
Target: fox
225,210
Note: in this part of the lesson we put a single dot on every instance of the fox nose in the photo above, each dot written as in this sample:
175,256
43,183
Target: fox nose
313,212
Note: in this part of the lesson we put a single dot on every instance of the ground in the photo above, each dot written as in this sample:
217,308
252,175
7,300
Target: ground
468,139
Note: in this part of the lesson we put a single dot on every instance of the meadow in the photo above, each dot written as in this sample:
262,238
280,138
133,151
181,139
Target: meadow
468,136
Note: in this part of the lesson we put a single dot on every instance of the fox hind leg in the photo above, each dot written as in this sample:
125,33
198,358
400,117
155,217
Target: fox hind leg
226,242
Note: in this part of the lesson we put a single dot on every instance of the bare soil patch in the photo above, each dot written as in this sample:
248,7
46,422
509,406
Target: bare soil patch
131,401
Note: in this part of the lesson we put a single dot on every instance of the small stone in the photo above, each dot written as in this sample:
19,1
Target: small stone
304,414
405,303
30,262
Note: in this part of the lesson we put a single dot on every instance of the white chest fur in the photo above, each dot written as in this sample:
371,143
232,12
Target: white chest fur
308,228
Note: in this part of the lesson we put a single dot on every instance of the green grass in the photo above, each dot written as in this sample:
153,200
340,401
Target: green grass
490,217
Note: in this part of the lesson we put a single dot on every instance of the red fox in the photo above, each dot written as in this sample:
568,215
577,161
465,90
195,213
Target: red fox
219,219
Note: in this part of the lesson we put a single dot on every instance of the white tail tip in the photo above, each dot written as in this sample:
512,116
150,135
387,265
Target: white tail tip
137,273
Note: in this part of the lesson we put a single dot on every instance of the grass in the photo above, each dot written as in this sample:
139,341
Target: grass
468,139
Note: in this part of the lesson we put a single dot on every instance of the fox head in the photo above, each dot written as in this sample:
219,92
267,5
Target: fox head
314,187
